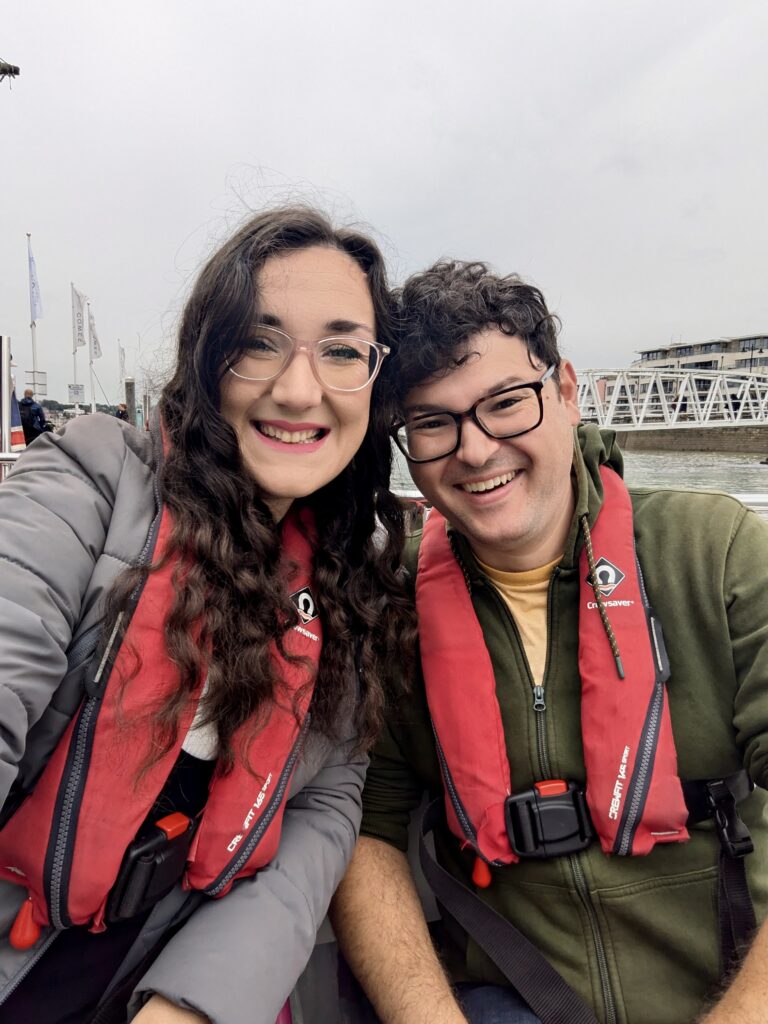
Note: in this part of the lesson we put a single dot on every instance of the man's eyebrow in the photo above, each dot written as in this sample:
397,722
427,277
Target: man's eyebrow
427,407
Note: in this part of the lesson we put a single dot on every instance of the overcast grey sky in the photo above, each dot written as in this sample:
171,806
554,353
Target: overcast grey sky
613,153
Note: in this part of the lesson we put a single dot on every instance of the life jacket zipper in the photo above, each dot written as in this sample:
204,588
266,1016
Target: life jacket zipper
637,791
639,784
260,827
458,807
57,867
58,860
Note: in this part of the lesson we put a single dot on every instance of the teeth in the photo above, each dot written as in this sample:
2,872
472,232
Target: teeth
290,437
488,485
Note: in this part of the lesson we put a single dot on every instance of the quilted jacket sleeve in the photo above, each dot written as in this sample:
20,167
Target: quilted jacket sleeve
238,958
56,511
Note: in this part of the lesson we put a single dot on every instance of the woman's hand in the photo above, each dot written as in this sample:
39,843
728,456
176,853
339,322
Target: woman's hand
159,1011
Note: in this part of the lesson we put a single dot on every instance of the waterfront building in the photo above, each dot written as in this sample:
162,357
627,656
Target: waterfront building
744,354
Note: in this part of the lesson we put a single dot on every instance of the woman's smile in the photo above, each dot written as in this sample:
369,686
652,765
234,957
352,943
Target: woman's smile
296,438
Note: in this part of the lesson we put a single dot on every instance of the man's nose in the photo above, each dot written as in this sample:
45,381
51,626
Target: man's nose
297,387
475,446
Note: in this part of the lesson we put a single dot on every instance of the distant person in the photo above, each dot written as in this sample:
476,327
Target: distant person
32,417
122,411
589,780
196,624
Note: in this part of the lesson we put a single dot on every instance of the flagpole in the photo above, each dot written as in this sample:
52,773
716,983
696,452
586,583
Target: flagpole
74,379
33,328
90,360
34,302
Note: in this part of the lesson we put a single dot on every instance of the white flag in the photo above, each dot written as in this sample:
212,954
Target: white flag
93,338
78,319
35,302
121,353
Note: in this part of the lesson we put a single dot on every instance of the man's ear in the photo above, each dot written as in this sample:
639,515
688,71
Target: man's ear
569,390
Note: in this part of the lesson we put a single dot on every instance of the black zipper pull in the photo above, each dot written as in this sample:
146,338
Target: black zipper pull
538,699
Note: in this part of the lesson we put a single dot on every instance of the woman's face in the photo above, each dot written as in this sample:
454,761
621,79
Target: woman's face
295,436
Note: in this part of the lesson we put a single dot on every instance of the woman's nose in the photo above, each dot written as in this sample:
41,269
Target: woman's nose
297,387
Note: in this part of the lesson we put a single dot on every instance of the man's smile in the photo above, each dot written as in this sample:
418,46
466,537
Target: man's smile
490,483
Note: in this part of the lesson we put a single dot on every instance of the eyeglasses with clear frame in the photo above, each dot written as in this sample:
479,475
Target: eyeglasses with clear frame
507,413
342,363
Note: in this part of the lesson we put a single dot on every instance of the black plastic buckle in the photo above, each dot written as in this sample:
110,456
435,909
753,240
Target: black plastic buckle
549,820
733,833
152,865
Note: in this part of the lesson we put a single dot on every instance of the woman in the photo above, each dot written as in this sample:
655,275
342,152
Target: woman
241,642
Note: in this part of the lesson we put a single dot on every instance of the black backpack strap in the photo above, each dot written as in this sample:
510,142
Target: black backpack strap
521,963
717,798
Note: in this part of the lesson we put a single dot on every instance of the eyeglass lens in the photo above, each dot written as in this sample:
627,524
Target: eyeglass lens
504,415
344,363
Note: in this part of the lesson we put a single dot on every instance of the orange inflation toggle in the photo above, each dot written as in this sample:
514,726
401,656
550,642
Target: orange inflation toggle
481,874
25,931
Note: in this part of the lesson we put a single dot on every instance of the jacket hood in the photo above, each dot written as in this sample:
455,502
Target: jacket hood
592,448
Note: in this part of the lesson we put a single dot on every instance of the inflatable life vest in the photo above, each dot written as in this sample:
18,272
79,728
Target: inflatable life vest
633,792
66,842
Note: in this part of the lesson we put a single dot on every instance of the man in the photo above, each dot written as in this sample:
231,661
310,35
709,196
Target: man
32,416
546,676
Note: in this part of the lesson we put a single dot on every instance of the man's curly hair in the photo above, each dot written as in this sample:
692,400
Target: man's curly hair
440,308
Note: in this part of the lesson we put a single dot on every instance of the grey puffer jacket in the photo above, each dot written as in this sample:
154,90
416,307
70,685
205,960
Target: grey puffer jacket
74,513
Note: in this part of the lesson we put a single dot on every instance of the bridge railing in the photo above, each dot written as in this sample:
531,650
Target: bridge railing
650,399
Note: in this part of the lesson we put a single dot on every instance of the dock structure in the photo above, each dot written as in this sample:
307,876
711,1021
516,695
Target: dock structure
652,399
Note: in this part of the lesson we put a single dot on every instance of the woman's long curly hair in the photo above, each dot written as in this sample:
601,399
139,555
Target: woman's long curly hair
231,605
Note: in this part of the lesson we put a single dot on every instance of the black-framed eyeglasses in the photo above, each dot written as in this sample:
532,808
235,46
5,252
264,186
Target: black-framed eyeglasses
429,436
341,363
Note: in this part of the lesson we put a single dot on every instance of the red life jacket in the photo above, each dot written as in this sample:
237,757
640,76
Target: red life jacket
66,842
633,792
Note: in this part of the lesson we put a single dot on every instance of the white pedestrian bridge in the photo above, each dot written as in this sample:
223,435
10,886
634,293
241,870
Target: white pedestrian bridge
638,399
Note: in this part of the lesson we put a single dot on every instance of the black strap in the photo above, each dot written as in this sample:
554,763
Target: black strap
735,911
717,798
521,963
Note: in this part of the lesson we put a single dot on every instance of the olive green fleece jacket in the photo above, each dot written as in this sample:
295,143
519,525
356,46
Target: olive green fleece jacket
636,937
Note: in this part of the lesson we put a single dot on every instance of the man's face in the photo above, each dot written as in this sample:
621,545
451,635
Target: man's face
522,522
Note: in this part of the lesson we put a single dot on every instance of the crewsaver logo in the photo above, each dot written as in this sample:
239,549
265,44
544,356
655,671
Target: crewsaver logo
305,604
609,576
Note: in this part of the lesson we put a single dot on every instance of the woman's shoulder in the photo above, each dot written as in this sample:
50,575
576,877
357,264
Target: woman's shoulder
99,449
98,437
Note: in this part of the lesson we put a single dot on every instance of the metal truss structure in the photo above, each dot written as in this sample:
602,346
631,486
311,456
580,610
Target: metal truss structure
672,399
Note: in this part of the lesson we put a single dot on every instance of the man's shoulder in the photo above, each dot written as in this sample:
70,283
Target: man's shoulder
676,526
673,507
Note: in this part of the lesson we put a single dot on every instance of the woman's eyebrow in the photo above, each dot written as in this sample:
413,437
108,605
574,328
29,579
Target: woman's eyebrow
347,326
339,326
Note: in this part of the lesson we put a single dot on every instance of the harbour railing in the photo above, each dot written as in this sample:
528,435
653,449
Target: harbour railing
636,399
